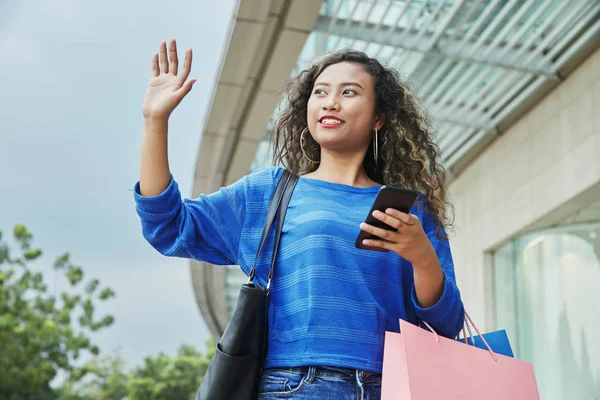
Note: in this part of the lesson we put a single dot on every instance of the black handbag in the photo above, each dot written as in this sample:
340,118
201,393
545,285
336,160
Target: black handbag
234,371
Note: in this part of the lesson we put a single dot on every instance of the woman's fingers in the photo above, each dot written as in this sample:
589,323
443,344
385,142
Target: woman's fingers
382,233
164,64
404,218
187,66
168,62
155,68
388,219
382,244
185,89
173,60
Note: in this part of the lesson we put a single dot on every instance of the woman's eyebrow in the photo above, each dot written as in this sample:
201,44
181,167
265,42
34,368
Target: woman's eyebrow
341,84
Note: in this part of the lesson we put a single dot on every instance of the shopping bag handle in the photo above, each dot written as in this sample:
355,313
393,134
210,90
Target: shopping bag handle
469,319
470,335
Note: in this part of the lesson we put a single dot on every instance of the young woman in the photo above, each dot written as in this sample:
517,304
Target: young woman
348,127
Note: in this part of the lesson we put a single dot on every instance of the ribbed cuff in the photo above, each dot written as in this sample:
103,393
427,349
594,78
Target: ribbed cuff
160,204
439,310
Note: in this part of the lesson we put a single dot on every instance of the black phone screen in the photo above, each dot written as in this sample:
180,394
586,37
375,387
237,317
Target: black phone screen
388,197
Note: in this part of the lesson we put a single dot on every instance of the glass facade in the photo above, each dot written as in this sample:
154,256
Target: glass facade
547,298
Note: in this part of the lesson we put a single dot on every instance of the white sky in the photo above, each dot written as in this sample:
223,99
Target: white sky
73,76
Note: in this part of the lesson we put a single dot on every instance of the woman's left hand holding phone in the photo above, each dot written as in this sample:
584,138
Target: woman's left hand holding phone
409,241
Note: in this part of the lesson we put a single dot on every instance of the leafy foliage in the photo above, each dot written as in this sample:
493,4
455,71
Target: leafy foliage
161,378
158,378
43,335
38,336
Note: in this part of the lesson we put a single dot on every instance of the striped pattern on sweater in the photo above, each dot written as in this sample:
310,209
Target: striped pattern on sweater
331,303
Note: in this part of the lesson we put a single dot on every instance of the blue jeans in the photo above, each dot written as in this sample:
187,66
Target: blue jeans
310,383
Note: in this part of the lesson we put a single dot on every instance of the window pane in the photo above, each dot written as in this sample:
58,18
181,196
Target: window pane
555,284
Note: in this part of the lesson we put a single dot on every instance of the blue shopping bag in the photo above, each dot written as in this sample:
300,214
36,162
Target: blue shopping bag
498,341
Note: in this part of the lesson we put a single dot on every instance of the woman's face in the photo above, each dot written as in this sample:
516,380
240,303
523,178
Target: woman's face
341,108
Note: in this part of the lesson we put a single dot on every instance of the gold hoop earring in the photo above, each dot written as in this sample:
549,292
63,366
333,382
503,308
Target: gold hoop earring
302,146
376,147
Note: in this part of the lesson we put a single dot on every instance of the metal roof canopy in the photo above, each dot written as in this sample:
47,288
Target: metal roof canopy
475,64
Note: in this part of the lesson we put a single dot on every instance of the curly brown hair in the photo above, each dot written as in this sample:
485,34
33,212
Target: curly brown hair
407,152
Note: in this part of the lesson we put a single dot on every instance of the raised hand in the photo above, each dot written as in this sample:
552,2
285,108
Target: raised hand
167,86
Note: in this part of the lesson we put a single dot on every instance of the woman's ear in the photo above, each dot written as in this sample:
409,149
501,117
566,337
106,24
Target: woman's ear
379,121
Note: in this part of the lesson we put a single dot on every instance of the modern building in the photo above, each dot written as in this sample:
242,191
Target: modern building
514,90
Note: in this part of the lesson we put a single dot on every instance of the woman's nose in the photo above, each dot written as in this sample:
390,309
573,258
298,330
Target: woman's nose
331,104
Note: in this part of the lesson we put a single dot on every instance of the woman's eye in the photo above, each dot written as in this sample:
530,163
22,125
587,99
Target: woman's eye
318,91
349,91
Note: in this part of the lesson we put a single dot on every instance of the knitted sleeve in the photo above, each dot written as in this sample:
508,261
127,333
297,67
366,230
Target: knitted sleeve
207,228
447,315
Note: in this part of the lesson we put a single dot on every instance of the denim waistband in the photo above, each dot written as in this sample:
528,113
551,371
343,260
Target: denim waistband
326,371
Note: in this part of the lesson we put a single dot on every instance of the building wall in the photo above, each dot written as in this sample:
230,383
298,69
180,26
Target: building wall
535,174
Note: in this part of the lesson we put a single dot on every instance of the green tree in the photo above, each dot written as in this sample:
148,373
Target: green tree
42,334
164,378
158,378
106,380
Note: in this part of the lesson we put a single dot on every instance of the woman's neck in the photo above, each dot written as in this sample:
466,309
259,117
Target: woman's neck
345,170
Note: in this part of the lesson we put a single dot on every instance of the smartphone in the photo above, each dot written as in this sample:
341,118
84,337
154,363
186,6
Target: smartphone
388,197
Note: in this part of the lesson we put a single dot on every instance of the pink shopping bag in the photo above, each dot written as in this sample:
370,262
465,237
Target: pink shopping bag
420,365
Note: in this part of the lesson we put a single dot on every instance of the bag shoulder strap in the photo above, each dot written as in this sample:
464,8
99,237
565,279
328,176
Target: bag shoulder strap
273,207
289,189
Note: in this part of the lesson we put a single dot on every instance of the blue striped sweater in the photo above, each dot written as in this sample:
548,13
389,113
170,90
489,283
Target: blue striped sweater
331,303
